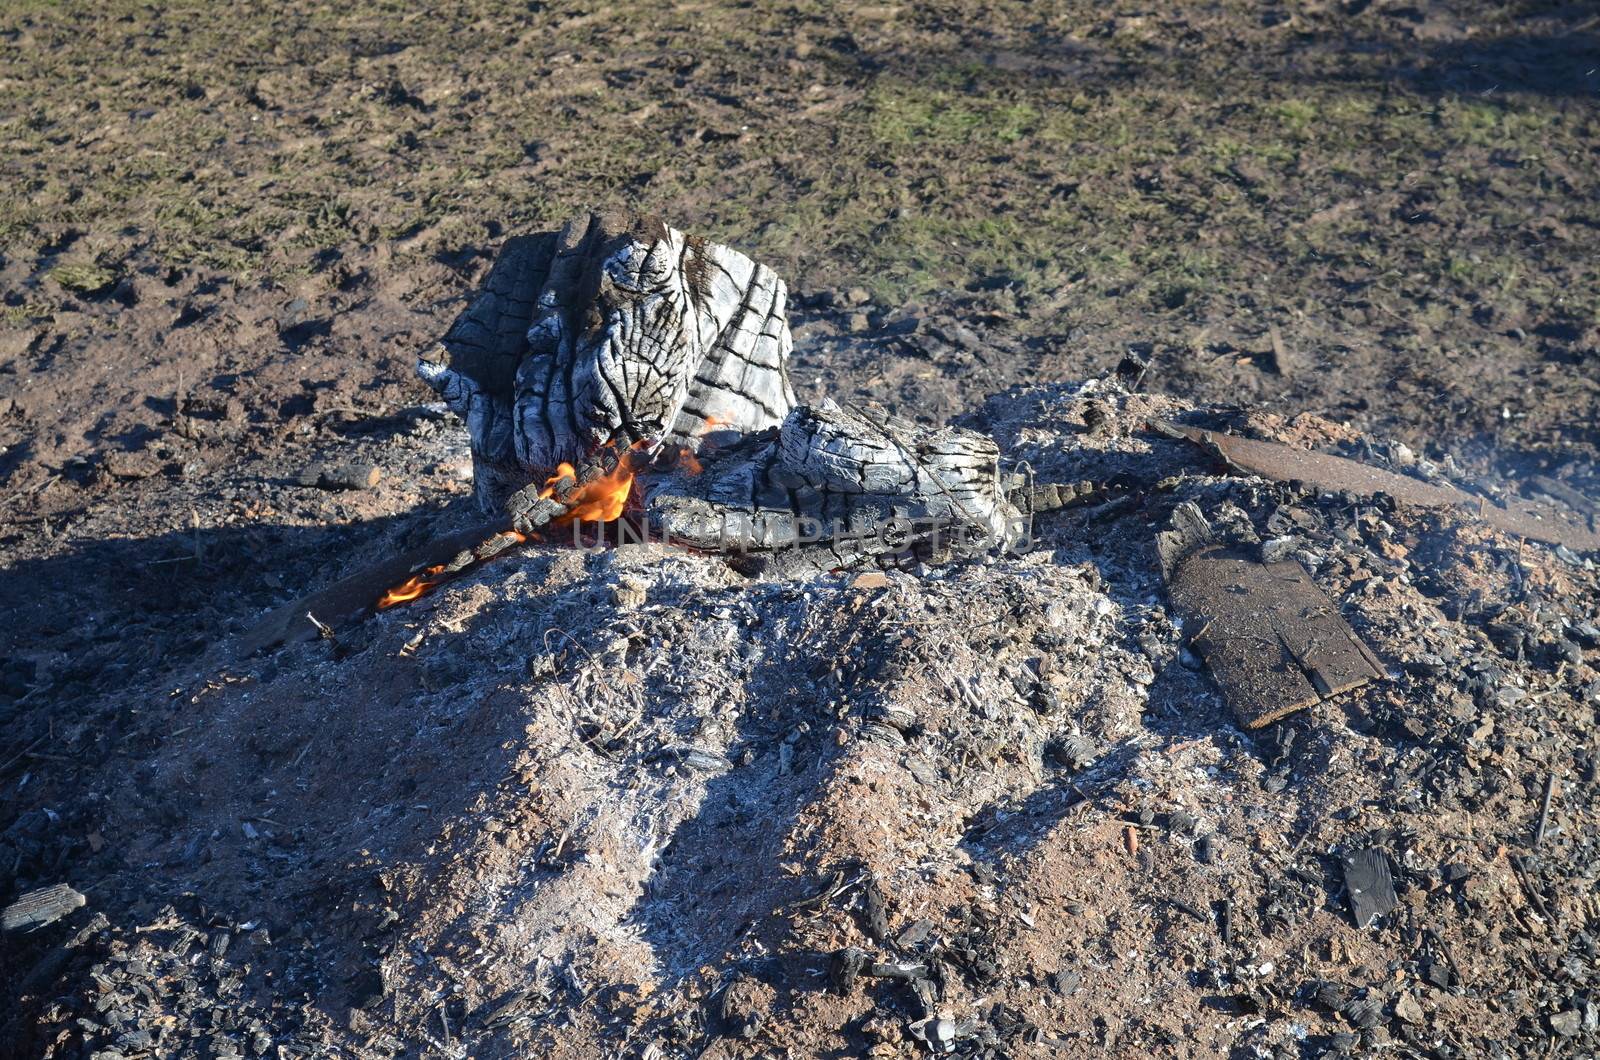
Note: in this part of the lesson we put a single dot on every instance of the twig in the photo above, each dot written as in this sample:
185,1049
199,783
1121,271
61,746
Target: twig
353,411
33,491
1544,808
20,755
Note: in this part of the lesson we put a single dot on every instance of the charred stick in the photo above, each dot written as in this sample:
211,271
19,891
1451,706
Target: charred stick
534,507
1544,809
907,970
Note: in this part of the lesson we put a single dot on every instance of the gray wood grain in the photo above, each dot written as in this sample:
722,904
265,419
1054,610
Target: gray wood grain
615,328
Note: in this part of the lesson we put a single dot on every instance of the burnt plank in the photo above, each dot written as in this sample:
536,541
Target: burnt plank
1313,631
1272,638
41,907
1554,524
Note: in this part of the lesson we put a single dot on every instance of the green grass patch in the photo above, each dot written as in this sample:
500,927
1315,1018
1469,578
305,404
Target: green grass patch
84,278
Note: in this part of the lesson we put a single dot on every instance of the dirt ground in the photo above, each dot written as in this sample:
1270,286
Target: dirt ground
225,231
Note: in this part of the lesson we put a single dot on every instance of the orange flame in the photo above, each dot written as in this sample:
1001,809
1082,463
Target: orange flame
411,588
599,501
602,500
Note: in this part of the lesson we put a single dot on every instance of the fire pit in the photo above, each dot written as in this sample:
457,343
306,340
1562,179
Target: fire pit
621,372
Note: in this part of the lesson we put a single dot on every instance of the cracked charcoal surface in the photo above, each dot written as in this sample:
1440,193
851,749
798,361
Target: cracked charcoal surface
613,328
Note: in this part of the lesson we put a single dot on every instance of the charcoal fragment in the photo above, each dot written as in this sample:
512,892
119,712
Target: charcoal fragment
845,968
1073,752
1064,981
1365,1013
1369,885
916,933
341,476
1437,973
875,911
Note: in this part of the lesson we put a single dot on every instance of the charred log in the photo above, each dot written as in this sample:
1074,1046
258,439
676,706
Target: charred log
593,352
847,482
613,330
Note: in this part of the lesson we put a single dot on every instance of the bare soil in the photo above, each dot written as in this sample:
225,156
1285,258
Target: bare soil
224,234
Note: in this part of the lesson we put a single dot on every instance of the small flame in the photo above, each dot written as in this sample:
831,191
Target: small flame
411,588
599,501
690,463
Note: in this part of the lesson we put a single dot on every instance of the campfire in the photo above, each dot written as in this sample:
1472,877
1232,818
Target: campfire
593,402
597,361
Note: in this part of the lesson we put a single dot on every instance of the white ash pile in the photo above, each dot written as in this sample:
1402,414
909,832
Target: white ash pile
609,770
629,802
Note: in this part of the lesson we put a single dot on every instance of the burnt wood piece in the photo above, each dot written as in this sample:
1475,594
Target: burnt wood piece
341,476
1040,497
1369,885
1273,640
1283,463
42,907
44,973
839,485
615,328
353,596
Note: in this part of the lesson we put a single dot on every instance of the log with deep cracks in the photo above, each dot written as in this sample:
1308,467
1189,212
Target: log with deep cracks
620,335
